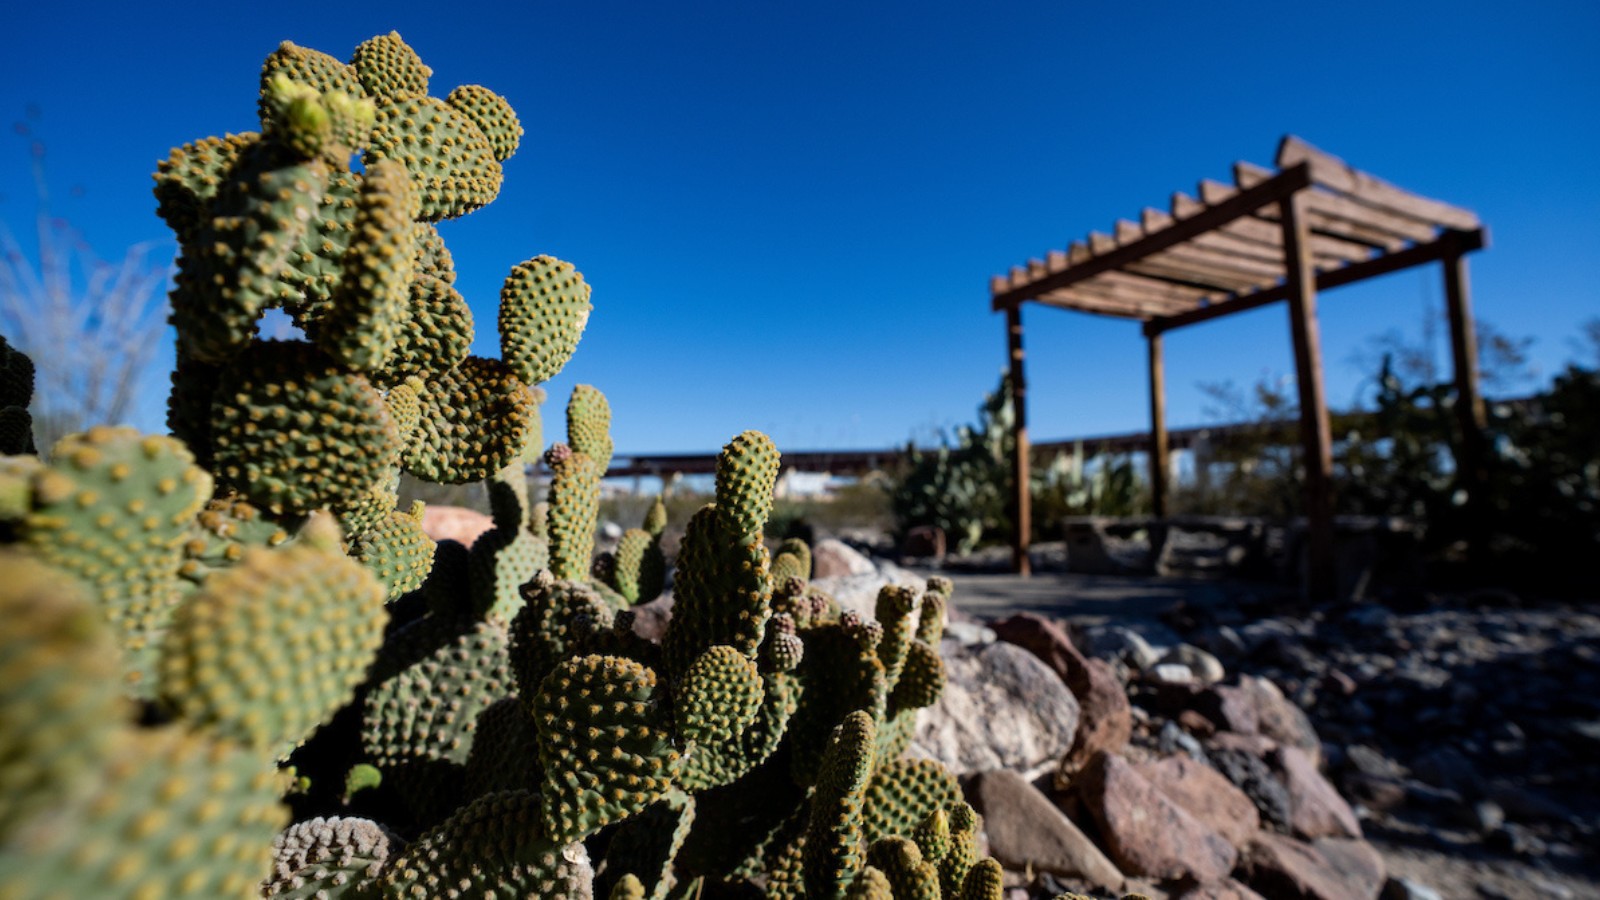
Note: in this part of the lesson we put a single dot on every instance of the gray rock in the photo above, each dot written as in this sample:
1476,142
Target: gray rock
859,592
1125,644
833,558
1172,673
969,633
1001,709
1206,668
1407,889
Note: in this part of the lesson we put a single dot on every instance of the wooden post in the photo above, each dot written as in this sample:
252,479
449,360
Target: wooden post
1158,429
1471,456
1021,503
1315,434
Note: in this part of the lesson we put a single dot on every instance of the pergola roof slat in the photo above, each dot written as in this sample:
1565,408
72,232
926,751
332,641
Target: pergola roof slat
1329,211
1253,232
1201,257
1334,174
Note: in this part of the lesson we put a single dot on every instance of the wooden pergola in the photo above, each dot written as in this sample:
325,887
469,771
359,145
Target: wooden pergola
1313,224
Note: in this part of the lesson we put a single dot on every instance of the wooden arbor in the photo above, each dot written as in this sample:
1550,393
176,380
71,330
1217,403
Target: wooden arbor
1315,223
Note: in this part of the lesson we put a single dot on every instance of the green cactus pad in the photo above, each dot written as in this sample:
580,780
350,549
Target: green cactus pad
438,337
655,518
894,611
114,509
712,764
604,742
309,124
721,592
316,264
930,622
371,307
312,68
176,816
219,535
492,847
398,552
430,683
589,425
871,884
963,854
901,861
921,681
506,557
903,793
833,851
388,67
646,846
574,511
16,431
59,700
717,696
542,633
793,560
493,116
747,468
505,750
985,881
294,431
327,859
405,407
451,164
544,306
932,835
628,887
188,179
236,266
366,512
270,648
641,569
432,256
475,422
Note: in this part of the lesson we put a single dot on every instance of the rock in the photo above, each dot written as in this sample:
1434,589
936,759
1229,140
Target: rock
454,523
650,619
1229,707
1206,668
1125,644
1250,773
1196,724
1172,673
1001,709
1526,805
1025,829
1281,720
1448,768
1281,867
1406,889
1146,833
1104,716
833,558
1227,889
1315,808
1206,795
859,591
1172,739
968,633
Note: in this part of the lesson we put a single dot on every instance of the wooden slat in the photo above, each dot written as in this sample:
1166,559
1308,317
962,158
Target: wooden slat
1081,299
1161,291
1329,251
1342,211
1141,297
1452,242
1212,192
1244,203
1202,259
1335,174
1153,219
1193,276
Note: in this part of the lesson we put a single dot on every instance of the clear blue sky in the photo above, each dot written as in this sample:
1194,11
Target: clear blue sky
790,211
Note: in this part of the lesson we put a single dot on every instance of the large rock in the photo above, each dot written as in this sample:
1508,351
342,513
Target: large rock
1278,718
859,591
1146,833
1282,867
1208,796
1227,889
833,558
1001,709
1105,719
1315,807
454,523
1229,707
1027,831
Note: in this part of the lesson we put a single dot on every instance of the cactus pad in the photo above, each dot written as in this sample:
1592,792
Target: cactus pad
475,422
493,116
388,67
492,847
451,164
544,306
325,859
372,304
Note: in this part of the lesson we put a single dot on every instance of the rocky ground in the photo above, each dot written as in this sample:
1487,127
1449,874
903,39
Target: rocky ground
1215,743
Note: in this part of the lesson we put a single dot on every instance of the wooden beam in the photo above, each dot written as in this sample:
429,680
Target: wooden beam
1158,429
1203,258
1451,242
1471,418
1244,203
1021,502
1253,231
1080,298
1218,241
1335,174
1332,212
1315,435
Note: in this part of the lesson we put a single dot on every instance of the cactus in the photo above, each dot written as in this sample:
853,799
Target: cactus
291,644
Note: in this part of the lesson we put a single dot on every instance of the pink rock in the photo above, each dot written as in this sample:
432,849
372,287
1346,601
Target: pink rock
1207,795
1227,889
454,523
1147,833
1025,830
1315,807
1282,867
1278,718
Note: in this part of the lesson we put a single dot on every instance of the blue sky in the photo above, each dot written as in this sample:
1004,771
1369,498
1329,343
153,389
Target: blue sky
790,212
